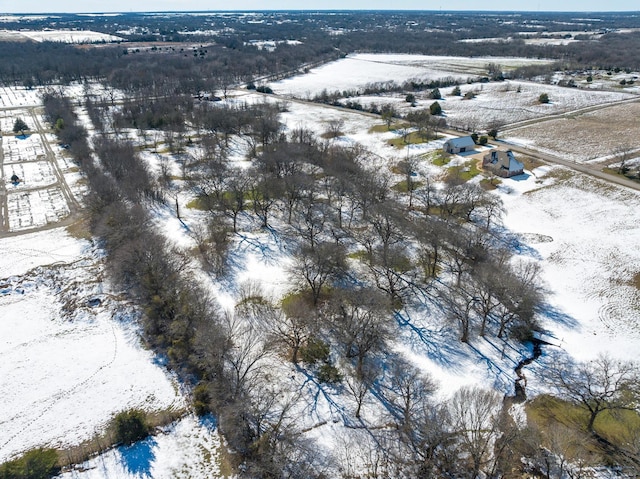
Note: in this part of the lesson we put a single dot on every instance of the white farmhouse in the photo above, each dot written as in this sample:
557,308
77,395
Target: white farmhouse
459,145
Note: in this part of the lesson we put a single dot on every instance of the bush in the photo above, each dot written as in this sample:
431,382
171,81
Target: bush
328,373
314,351
435,94
483,140
543,98
201,399
456,91
264,89
470,95
19,126
410,98
435,108
35,464
130,426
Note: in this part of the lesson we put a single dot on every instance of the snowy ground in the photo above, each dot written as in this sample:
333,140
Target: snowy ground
580,229
65,36
360,70
70,357
89,364
592,136
187,448
18,96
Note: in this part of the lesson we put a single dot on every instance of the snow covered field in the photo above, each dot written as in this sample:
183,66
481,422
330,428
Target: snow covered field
70,357
18,96
357,71
580,230
65,36
590,136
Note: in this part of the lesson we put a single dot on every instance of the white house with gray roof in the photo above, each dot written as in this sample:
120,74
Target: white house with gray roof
459,145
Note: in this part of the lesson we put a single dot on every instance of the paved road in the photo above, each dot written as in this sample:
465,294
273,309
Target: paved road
595,171
581,167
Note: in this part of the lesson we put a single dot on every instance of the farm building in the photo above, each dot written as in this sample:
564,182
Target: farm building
459,145
503,163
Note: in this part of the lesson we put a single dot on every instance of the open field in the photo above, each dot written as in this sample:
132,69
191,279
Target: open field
357,71
70,356
62,36
590,136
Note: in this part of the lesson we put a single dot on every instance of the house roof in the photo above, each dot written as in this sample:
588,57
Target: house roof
504,160
462,142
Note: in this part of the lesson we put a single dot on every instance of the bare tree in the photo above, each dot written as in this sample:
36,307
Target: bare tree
319,265
603,384
293,326
475,418
362,320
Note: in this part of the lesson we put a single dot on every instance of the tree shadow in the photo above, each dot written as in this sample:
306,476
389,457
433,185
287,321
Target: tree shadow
553,314
138,457
441,346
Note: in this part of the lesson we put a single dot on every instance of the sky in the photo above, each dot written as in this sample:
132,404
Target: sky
86,6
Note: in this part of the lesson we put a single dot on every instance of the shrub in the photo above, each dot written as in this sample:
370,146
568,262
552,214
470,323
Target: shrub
483,140
410,98
35,464
474,137
19,126
201,399
493,133
470,95
130,426
328,373
314,351
435,108
543,98
456,91
435,94
264,89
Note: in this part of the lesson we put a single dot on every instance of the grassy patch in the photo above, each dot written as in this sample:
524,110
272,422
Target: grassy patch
81,229
34,464
199,203
360,255
413,138
636,280
328,135
530,163
402,186
440,158
464,172
545,411
227,462
383,128
488,184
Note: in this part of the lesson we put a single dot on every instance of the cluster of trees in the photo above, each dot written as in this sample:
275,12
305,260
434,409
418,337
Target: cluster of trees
366,247
364,250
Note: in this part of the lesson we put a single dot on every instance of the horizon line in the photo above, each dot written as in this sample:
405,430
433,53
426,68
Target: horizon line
312,10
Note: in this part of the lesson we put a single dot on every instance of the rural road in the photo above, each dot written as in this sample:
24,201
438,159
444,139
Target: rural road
527,151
